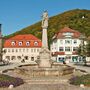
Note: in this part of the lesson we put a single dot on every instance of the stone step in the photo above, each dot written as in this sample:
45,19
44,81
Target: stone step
46,81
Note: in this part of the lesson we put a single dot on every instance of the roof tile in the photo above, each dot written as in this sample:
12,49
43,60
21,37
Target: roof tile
24,39
76,34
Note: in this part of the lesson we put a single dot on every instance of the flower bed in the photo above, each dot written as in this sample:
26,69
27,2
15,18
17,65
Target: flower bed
84,79
6,80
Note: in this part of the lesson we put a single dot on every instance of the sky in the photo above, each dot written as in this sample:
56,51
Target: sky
18,14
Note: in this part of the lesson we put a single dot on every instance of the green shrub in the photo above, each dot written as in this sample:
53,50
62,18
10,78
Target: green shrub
84,79
6,80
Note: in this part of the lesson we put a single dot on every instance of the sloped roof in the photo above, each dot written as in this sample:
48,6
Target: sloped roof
76,34
24,38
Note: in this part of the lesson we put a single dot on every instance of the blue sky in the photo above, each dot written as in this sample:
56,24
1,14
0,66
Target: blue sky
17,14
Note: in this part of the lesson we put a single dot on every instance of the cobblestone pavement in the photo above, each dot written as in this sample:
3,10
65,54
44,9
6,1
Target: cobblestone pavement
12,65
85,68
47,87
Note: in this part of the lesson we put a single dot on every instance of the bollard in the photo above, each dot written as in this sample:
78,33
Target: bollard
1,72
10,86
82,86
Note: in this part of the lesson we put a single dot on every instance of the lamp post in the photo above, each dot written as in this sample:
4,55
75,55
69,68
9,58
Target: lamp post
82,86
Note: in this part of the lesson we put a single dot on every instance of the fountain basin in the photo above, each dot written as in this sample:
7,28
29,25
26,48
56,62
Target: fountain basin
35,71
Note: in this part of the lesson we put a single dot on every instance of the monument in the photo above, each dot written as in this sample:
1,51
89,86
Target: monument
44,58
44,27
44,67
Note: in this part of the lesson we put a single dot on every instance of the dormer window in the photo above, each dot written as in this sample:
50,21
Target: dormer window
35,43
20,43
13,43
68,34
28,43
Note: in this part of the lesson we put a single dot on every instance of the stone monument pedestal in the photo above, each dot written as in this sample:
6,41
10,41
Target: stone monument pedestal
44,58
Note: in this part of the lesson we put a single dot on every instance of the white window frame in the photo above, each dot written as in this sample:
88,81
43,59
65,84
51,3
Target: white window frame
75,48
67,49
67,41
61,41
20,43
61,49
75,41
13,43
28,43
35,43
37,50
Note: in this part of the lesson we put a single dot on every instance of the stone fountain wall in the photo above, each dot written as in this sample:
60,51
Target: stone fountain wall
38,72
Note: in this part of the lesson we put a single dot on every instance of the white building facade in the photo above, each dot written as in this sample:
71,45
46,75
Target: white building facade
22,48
65,45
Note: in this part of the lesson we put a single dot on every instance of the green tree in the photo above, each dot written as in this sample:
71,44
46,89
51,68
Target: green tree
88,48
82,52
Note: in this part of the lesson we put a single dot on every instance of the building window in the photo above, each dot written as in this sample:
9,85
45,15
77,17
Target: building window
13,43
8,50
23,50
16,50
27,50
68,57
19,57
5,50
67,48
20,43
35,43
31,50
28,43
61,41
75,41
60,48
75,58
32,58
19,50
26,57
75,48
34,50
51,48
7,57
67,41
61,59
13,58
12,50
68,34
37,50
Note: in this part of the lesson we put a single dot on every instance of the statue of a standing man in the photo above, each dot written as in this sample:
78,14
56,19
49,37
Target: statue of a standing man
45,19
